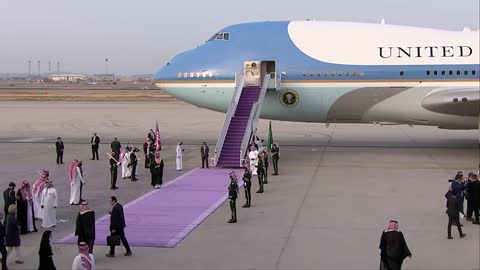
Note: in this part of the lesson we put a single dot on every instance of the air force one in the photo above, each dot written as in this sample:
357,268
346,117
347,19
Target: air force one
336,72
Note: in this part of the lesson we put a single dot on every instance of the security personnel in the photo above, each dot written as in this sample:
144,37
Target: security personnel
275,157
265,165
247,184
113,171
260,172
232,196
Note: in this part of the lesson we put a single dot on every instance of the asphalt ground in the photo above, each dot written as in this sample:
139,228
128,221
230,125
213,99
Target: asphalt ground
337,189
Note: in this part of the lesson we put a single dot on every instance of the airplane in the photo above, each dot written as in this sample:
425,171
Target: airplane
337,72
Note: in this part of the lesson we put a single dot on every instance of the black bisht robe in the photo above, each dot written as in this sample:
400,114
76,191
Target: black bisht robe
157,172
394,250
22,215
85,226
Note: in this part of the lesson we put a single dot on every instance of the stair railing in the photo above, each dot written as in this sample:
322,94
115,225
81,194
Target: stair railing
239,84
253,119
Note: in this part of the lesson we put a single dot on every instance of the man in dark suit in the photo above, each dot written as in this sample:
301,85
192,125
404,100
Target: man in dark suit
95,141
117,225
59,147
204,151
115,145
9,197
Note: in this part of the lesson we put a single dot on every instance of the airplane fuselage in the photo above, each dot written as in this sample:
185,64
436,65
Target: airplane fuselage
337,72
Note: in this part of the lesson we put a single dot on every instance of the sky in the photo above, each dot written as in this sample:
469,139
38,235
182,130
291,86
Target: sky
139,37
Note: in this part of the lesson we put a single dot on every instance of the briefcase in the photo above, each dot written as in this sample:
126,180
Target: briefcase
113,240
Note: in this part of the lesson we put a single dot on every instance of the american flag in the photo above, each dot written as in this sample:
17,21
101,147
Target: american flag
158,142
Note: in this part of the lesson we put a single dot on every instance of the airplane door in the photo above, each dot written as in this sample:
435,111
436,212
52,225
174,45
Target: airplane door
252,71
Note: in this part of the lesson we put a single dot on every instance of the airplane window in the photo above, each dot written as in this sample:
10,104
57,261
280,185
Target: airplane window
204,74
179,75
226,36
325,73
197,75
354,73
465,72
443,72
362,73
191,74
474,72
312,73
458,72
339,73
185,75
304,73
333,73
428,72
347,73
319,73
450,72
210,74
402,73
435,73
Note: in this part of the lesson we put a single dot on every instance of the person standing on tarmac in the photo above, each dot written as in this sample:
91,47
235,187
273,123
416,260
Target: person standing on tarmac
247,184
232,196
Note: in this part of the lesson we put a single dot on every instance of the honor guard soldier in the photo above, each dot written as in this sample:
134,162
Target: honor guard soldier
260,172
275,157
232,196
265,165
113,171
247,184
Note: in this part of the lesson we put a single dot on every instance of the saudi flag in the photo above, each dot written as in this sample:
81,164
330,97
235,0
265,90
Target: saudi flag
270,137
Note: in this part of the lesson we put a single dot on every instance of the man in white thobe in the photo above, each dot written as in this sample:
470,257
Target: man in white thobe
125,161
37,192
179,156
76,182
84,260
49,205
253,157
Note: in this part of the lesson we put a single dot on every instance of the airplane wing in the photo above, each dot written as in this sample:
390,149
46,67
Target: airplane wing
462,101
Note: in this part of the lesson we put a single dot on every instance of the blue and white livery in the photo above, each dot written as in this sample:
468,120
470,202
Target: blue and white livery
338,72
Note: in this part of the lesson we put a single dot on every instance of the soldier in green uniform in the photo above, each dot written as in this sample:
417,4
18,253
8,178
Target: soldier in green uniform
232,196
247,184
265,165
260,172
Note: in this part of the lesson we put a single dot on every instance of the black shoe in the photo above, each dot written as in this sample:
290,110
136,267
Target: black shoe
245,206
109,255
275,174
449,237
62,163
129,253
265,182
18,262
476,222
462,235
259,191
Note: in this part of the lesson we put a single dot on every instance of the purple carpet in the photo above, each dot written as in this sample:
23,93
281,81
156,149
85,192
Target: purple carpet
164,217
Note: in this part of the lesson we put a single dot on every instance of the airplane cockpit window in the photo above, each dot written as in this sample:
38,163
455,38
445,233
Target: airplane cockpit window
220,36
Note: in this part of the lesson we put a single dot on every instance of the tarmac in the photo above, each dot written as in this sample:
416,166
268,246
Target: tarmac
338,187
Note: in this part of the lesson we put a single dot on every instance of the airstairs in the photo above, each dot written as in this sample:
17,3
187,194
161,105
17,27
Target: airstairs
241,121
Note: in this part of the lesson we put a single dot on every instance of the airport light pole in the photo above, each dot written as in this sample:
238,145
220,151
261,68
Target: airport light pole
106,65
49,67
58,68
38,62
29,69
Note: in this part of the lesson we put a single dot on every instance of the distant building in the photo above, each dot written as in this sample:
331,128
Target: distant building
68,78
108,78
